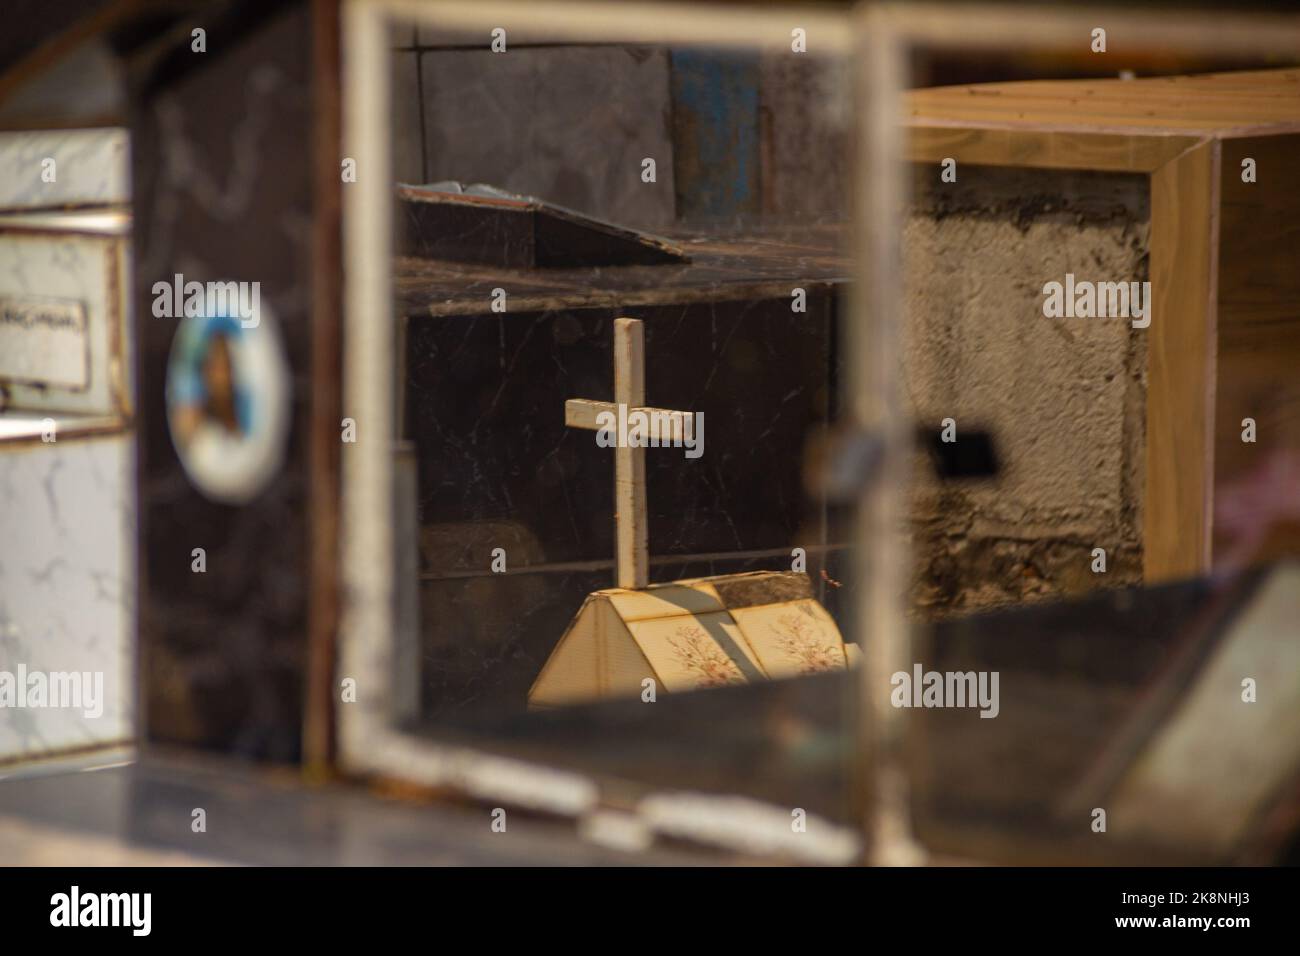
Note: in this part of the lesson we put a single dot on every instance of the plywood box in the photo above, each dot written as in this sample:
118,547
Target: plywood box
1218,155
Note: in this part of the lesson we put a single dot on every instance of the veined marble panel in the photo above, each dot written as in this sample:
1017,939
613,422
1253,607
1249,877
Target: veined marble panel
52,266
67,585
91,166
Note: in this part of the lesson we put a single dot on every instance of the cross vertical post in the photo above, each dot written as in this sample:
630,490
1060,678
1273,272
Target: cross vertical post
661,426
632,550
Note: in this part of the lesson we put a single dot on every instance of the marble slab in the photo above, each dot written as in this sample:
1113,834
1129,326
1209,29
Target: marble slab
67,585
91,167
59,273
498,467
227,152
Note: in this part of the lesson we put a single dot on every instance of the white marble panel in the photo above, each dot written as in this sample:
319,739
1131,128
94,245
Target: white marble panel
67,585
85,272
91,166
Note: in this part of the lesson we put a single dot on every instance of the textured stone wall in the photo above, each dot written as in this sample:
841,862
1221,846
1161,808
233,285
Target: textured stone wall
1064,398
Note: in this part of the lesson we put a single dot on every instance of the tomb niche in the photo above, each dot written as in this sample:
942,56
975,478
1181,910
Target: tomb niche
682,635
513,280
1103,424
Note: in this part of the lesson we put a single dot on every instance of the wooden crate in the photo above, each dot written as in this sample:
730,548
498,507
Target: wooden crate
1224,340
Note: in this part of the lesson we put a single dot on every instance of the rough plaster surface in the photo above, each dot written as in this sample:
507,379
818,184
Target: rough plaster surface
1064,398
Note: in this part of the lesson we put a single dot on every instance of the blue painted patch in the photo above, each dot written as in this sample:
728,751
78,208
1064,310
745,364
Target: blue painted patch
715,133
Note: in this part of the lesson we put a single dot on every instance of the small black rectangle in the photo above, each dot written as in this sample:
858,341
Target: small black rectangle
971,453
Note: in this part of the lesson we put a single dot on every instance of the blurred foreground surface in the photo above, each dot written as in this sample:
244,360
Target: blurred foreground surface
73,813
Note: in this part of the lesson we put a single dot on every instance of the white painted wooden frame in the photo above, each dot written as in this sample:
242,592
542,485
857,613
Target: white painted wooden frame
368,741
888,36
882,38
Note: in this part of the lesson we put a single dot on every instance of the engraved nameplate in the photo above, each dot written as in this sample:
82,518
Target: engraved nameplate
44,342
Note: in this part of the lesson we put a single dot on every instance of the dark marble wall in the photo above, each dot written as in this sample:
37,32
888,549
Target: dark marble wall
498,468
222,169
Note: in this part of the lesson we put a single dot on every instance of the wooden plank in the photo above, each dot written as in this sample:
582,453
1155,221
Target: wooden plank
629,463
1259,281
325,449
666,424
582,412
1186,99
1255,515
1098,117
731,267
1180,384
1210,105
1044,149
1255,79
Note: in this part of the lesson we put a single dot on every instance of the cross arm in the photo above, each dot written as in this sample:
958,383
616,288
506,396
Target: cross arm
665,423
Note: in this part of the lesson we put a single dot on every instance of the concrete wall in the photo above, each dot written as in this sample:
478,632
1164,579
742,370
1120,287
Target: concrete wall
1064,398
738,137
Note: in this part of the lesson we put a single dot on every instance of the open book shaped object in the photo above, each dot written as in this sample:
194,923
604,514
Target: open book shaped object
484,224
692,635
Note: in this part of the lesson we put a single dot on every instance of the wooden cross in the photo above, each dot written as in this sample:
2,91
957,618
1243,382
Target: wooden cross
633,560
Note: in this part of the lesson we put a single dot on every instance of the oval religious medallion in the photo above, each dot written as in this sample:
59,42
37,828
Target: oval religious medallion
227,397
